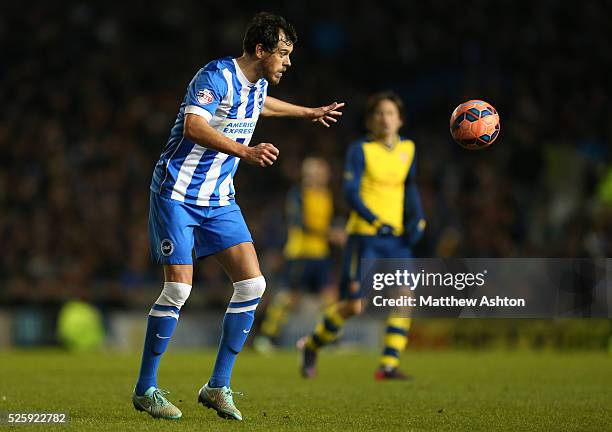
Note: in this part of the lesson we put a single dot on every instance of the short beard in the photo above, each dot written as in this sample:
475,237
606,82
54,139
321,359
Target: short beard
271,78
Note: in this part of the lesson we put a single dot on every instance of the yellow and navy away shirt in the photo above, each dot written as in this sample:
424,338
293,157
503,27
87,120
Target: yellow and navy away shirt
380,188
309,214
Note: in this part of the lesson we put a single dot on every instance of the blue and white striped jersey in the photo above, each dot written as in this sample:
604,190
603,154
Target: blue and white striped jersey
231,104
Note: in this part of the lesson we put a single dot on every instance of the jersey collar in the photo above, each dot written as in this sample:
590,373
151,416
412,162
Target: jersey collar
396,141
241,76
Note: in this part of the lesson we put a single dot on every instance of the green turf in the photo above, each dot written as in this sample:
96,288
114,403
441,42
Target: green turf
453,391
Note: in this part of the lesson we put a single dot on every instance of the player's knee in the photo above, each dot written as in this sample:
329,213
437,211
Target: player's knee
350,308
247,294
174,294
355,307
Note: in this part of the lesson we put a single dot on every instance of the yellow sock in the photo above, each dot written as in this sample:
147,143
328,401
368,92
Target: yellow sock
276,315
396,339
327,330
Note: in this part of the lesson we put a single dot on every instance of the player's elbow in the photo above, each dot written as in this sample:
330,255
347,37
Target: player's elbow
265,111
188,128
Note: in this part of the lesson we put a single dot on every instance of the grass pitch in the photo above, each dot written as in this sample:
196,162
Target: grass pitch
453,391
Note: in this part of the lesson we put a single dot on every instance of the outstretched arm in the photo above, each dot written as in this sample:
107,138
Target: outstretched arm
326,114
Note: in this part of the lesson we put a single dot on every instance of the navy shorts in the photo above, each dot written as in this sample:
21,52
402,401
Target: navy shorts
176,229
311,274
360,247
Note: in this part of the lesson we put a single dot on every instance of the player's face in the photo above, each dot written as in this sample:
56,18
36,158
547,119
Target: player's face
315,172
275,63
386,119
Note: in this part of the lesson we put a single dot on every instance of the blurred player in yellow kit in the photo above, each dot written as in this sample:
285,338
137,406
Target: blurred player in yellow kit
307,252
386,221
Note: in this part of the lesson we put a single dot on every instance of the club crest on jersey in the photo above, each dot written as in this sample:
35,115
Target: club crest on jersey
205,96
166,247
404,157
260,100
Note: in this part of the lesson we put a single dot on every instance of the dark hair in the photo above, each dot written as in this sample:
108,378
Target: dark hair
377,98
263,29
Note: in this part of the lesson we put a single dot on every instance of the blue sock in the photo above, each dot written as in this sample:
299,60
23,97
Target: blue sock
232,341
163,318
154,347
237,323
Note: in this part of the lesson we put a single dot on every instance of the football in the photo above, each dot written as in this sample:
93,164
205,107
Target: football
474,124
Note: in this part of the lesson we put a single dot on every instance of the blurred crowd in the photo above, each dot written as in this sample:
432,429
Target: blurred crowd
90,91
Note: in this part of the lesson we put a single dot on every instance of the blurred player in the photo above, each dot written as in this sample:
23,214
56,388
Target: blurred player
307,261
386,220
193,208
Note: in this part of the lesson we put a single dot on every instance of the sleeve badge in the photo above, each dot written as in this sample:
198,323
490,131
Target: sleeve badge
205,96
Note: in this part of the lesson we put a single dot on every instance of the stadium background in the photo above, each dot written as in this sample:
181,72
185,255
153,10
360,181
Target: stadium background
91,90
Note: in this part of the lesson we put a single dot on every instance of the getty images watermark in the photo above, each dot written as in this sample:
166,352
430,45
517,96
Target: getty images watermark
478,287
459,281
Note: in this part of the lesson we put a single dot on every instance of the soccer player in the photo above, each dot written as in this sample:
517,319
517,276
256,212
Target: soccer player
307,253
386,220
192,204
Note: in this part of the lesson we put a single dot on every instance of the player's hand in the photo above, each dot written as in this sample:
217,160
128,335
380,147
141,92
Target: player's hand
337,236
414,232
327,114
263,155
385,230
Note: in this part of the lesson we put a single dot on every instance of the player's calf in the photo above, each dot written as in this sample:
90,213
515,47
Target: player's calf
395,341
161,323
237,323
274,320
